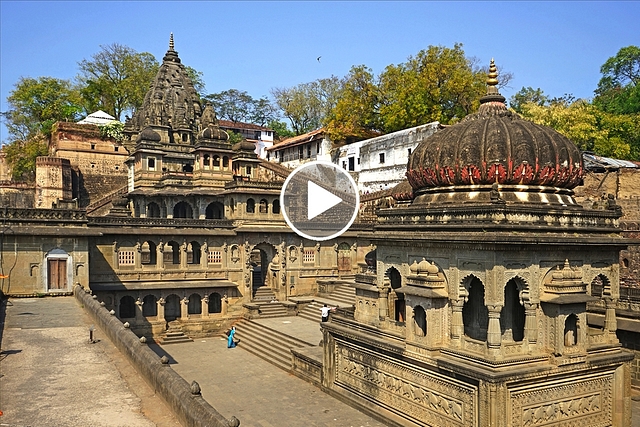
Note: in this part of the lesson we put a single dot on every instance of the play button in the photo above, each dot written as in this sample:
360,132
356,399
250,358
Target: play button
319,200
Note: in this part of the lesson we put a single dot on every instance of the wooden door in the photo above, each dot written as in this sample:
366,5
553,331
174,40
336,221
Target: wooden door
344,257
57,274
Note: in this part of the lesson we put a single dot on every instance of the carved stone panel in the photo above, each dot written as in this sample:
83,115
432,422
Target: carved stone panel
569,403
423,396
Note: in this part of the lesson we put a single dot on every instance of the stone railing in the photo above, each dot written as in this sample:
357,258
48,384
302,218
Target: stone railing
161,222
253,184
185,400
49,216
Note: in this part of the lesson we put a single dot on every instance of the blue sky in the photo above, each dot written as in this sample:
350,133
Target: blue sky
256,46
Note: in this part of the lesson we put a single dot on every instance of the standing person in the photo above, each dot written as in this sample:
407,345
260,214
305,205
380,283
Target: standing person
231,340
325,312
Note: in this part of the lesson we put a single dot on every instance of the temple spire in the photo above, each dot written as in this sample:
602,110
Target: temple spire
171,55
492,82
171,45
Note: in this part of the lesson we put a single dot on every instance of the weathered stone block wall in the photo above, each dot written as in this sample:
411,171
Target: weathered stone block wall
631,341
190,408
98,164
17,195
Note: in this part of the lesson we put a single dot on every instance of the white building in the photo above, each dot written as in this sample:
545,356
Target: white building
261,136
292,152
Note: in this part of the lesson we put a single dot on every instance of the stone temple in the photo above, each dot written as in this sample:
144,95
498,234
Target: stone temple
469,295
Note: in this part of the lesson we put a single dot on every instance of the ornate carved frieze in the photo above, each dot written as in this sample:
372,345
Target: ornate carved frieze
574,403
420,395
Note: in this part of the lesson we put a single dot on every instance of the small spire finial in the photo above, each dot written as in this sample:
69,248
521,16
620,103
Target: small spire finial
492,81
171,45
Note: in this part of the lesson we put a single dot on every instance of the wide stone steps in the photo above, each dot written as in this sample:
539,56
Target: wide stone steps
268,344
263,294
174,335
344,294
272,309
312,311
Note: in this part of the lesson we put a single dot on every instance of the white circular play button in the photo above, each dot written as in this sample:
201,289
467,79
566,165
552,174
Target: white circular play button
319,200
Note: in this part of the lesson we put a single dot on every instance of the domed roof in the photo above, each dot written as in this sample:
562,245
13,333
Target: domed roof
491,146
211,129
244,145
148,135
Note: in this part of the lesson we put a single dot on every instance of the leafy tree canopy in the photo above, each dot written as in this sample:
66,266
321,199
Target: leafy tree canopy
116,79
21,156
280,129
619,88
239,106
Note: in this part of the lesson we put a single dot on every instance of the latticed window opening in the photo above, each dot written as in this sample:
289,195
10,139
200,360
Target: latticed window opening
215,257
126,258
309,255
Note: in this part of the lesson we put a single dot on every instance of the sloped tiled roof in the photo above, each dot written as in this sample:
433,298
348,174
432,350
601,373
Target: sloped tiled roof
297,140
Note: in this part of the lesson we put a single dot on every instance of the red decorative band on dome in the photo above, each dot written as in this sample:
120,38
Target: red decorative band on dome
524,174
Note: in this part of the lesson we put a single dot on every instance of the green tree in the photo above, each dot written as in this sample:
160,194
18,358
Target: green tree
525,95
619,88
21,156
588,127
36,104
197,78
232,104
356,113
280,129
116,79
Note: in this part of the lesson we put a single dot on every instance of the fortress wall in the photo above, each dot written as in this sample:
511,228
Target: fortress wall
191,409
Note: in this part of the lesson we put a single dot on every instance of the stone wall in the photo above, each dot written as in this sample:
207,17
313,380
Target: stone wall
97,163
185,400
631,341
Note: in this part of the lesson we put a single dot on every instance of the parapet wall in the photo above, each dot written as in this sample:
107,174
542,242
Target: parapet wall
189,406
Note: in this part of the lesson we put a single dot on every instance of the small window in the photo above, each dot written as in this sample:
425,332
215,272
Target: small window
409,151
126,258
309,255
381,158
115,149
215,257
93,146
184,137
248,170
151,163
251,206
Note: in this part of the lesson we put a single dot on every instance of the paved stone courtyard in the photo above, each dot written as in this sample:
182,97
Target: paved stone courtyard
51,376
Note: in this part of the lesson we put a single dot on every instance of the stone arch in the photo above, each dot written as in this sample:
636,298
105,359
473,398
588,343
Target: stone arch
251,206
275,206
172,307
194,306
148,253
215,210
127,307
149,306
571,328
512,316
600,286
153,210
419,321
475,314
216,162
206,161
183,210
215,303
264,206
225,163
193,253
172,256
344,257
260,257
397,303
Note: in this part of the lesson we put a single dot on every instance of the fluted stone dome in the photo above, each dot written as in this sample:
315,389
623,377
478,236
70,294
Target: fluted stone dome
463,162
148,135
244,145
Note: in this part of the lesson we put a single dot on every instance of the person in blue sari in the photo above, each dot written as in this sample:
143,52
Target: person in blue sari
230,340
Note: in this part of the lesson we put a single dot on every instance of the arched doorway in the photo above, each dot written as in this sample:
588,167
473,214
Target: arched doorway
172,308
215,303
419,321
512,314
396,298
261,256
183,210
344,257
127,307
215,210
475,314
195,304
150,306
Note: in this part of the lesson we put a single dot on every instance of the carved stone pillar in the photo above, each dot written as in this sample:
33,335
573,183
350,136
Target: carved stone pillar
494,335
530,323
160,257
138,315
610,322
183,255
225,304
383,302
457,324
205,306
161,302
184,308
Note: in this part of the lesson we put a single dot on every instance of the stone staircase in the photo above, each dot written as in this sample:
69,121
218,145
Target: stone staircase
263,297
268,344
343,296
174,334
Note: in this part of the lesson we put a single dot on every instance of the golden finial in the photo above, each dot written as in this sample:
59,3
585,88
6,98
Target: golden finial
171,46
492,77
